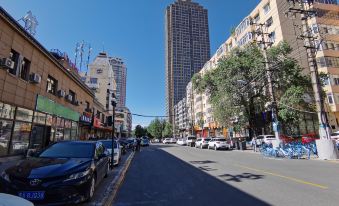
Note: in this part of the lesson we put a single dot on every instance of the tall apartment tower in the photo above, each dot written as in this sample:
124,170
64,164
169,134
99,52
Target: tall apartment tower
187,48
120,75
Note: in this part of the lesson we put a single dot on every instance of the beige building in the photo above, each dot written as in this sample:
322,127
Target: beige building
279,28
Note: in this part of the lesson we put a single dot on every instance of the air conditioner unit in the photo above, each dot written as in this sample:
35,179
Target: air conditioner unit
69,98
7,63
61,93
35,78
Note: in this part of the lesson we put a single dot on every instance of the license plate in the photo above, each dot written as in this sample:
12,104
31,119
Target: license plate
32,195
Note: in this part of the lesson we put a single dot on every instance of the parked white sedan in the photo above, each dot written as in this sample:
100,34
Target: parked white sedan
167,141
202,142
181,142
218,143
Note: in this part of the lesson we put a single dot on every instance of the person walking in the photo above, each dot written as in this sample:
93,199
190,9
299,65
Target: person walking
254,144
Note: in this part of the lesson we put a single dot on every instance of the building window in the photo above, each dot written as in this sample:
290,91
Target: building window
256,18
73,95
52,85
93,80
99,71
83,79
267,8
330,98
269,22
14,56
336,81
24,69
271,37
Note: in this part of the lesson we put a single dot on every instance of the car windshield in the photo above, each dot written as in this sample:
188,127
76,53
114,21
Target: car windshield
335,134
108,144
191,138
207,139
69,150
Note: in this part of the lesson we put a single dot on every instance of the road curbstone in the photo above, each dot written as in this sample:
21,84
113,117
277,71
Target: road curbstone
111,192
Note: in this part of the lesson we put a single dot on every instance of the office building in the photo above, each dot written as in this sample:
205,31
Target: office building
187,48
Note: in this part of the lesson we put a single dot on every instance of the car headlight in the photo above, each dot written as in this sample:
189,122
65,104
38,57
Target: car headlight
77,175
5,176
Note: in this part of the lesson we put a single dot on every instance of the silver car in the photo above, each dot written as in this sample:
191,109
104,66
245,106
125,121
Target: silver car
202,142
218,143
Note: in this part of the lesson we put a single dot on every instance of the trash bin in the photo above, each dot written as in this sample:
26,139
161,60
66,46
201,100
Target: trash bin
242,145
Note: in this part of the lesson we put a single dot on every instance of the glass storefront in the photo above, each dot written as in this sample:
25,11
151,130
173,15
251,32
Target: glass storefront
22,129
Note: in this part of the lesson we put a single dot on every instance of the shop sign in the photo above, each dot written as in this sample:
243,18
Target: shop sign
97,123
86,117
46,105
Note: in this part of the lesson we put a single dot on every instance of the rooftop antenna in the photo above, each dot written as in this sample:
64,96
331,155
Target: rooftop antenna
81,52
30,23
76,53
89,55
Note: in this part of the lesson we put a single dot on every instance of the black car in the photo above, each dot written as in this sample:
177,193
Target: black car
64,173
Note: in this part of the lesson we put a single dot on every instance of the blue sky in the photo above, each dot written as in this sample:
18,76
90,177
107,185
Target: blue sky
130,29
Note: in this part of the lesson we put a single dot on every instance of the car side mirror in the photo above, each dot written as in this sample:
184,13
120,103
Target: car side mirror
32,153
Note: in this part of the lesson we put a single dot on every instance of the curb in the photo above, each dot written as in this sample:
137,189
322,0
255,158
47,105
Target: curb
110,193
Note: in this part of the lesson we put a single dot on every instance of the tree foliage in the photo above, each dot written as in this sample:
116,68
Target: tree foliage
237,87
156,127
139,131
168,130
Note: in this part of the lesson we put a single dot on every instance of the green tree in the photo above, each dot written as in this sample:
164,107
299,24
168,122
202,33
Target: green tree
155,128
139,131
238,85
168,130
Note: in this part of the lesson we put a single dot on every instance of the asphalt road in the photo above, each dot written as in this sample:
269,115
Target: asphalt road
176,175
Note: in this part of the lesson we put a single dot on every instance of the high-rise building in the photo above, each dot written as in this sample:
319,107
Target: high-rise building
187,48
120,76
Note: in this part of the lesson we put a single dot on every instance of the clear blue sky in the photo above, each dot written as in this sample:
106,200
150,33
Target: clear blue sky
130,29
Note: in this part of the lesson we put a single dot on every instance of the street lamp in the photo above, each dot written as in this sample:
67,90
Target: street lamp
114,104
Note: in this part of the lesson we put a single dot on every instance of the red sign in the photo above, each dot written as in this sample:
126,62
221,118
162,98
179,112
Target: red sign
97,123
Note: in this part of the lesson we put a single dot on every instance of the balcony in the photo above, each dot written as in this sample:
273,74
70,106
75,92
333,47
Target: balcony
94,86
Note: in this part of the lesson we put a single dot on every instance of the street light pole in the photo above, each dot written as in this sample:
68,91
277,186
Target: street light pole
113,128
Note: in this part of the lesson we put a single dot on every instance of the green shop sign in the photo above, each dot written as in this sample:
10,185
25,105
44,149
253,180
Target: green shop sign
46,105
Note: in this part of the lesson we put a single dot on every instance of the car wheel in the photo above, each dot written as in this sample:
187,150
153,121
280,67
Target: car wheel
91,188
215,148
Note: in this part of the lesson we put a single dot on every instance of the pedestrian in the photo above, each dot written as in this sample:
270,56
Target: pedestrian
254,144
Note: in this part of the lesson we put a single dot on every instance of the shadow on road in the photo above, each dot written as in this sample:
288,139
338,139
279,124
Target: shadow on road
241,177
159,178
202,162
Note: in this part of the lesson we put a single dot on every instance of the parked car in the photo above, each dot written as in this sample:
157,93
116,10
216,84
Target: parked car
167,141
156,140
267,139
64,173
218,143
144,142
117,150
173,140
202,143
191,141
181,142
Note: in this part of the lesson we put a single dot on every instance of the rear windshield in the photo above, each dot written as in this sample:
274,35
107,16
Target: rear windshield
221,140
270,137
207,139
108,144
191,138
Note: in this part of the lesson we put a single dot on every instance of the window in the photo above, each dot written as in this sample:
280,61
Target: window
271,37
20,139
52,85
14,56
83,79
87,105
269,22
330,98
5,133
93,80
256,18
24,69
336,81
73,95
99,71
267,8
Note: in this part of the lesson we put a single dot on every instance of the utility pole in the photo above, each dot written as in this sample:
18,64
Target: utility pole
265,44
325,146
